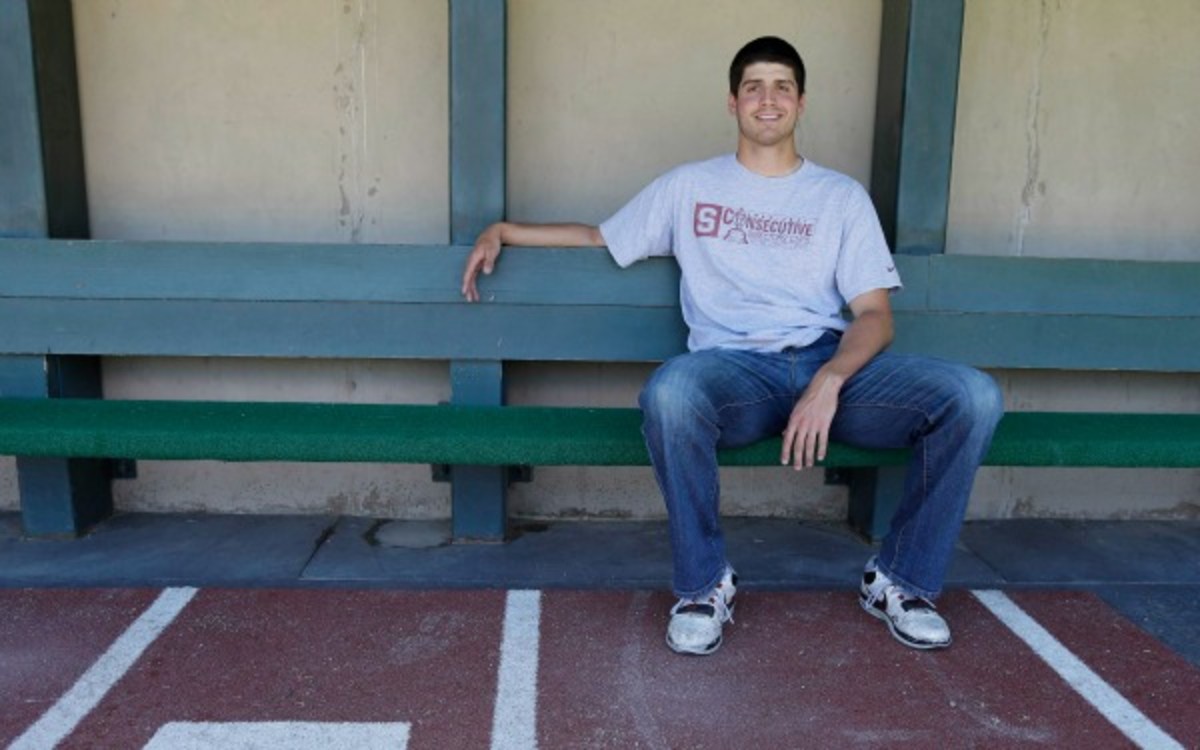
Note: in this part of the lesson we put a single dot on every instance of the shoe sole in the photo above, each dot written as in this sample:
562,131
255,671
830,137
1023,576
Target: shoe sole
710,648
906,640
706,650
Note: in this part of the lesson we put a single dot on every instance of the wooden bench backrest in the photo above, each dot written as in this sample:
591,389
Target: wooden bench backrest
375,301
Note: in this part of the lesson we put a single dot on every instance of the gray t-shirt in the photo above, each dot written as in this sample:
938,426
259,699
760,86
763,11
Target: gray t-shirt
767,262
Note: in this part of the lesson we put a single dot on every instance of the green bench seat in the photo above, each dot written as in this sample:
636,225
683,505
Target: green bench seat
513,435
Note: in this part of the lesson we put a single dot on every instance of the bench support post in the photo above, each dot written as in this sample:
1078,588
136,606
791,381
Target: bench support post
43,194
915,106
478,493
478,38
59,497
874,496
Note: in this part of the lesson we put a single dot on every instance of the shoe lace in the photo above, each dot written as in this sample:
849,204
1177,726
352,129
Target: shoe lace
908,602
713,605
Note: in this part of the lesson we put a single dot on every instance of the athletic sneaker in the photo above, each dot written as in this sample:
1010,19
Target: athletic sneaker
695,626
913,620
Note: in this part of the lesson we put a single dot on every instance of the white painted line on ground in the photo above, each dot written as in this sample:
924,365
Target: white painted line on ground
514,724
279,735
62,718
1112,705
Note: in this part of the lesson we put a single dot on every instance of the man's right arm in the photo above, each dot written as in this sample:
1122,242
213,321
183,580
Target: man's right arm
487,246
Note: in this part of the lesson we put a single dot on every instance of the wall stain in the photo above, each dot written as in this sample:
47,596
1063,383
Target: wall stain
355,42
1034,188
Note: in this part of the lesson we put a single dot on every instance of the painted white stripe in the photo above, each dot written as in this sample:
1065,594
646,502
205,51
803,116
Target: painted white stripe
514,724
1112,705
90,689
279,735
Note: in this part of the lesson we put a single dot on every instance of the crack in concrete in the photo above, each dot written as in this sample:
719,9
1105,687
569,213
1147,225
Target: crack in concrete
350,91
1033,187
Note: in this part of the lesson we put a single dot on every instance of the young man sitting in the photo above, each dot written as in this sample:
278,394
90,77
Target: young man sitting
771,248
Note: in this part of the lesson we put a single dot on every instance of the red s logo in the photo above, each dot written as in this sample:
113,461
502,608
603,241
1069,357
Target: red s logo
706,222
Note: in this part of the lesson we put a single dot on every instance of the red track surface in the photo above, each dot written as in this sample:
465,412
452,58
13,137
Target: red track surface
803,669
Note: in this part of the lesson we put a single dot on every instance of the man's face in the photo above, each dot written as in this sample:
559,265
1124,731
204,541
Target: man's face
768,103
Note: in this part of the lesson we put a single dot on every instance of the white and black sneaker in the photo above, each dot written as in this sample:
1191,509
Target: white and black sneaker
696,624
913,620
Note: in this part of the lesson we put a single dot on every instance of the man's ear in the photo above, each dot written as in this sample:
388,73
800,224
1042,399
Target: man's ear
732,104
800,104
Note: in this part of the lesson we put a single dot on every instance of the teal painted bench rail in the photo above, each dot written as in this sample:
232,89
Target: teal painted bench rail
514,435
64,303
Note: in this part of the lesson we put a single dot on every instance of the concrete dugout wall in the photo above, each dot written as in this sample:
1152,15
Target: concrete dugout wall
280,120
326,120
1073,139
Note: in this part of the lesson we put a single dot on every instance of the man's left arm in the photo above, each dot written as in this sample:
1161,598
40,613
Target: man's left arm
871,331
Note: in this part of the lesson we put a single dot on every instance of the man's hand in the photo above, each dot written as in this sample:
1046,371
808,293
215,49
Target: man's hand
807,434
487,247
482,258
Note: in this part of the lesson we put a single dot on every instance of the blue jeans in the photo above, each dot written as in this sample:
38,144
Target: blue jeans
697,402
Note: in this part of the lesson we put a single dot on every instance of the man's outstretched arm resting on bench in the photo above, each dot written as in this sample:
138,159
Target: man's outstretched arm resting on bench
491,240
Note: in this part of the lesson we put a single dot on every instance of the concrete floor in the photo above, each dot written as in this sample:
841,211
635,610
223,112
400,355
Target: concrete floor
1148,570
177,631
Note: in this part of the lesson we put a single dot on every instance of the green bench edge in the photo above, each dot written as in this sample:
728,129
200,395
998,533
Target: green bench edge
513,435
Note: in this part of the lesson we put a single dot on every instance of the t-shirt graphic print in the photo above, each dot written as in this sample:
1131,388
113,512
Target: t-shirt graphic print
743,227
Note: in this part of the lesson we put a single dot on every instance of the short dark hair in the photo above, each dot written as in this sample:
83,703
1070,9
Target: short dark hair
769,49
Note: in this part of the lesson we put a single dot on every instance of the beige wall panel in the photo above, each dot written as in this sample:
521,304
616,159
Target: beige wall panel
373,490
1114,494
351,381
391,491
273,120
1074,139
605,96
1058,390
1076,130
631,493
